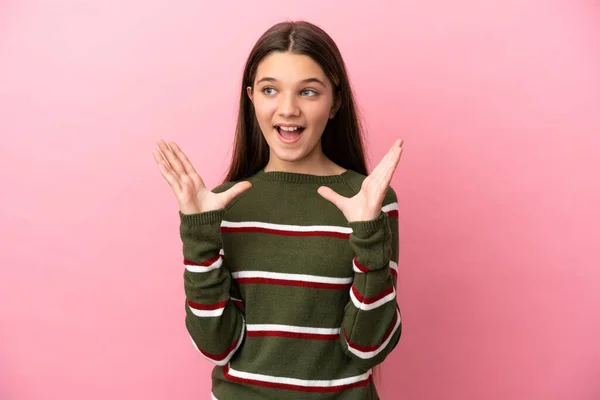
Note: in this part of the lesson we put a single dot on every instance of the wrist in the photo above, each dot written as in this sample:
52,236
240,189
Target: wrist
189,209
367,227
201,218
365,216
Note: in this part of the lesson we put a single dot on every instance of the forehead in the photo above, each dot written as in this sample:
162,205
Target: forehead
289,68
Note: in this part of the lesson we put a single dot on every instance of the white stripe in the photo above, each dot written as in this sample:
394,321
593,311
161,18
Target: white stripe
212,396
394,266
299,382
226,359
211,313
371,354
291,328
294,228
202,269
355,268
390,207
236,299
371,306
291,277
208,313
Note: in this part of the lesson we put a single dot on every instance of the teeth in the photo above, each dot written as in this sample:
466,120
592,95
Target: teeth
288,128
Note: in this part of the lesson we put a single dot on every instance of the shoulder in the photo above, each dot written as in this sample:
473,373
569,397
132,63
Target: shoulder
223,187
356,179
228,185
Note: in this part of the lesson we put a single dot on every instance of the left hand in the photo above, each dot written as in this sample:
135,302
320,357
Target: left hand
366,204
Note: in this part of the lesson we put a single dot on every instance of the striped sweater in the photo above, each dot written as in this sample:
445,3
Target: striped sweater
287,298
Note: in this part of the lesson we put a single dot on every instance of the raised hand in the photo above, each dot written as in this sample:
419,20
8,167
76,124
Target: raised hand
366,204
193,196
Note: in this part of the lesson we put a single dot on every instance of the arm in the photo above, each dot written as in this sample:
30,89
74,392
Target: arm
372,324
214,323
216,326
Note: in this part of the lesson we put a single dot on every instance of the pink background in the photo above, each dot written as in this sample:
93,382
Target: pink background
499,106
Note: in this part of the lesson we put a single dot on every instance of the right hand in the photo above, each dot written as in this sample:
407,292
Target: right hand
193,196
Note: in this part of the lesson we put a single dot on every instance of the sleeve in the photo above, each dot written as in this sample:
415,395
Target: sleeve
214,322
372,324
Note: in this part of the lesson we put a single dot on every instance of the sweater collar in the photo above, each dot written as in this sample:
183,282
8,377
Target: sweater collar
294,177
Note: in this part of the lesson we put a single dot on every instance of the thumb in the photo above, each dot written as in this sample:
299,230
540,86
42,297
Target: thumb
332,196
235,191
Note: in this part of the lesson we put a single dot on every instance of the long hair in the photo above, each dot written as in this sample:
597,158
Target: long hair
342,139
341,142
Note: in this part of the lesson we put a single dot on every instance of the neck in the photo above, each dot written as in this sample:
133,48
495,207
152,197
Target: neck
315,163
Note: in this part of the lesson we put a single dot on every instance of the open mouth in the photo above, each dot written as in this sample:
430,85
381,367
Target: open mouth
290,133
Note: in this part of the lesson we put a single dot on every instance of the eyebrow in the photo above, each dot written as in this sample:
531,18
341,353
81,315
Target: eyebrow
309,80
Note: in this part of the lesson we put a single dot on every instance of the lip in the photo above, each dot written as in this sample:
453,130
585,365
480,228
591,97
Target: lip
290,125
284,140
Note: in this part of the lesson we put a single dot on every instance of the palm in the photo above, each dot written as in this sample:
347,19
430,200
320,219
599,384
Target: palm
366,204
196,195
189,188
369,197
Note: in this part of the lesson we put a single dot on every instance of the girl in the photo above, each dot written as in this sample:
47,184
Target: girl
291,264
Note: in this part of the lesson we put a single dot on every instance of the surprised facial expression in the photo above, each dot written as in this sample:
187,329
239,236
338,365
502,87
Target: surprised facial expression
293,100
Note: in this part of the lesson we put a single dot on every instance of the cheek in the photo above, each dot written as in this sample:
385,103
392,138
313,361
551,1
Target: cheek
318,114
264,111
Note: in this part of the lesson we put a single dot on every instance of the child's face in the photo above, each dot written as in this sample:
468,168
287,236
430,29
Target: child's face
293,99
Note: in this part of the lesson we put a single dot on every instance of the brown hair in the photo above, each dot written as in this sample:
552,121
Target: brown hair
341,141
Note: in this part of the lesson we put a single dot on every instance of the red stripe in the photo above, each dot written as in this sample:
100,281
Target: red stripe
215,306
360,266
203,263
314,389
393,214
340,235
238,303
372,348
296,335
369,300
286,282
222,356
363,268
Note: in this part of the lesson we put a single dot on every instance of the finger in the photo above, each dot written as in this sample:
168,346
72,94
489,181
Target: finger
162,146
174,163
392,168
385,164
157,156
379,171
185,162
166,172
380,182
330,195
379,166
385,180
236,190
391,162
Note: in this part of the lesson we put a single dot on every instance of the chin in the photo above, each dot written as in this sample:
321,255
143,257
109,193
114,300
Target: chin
290,156
294,153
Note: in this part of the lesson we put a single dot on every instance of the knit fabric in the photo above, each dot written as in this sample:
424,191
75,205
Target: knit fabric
285,296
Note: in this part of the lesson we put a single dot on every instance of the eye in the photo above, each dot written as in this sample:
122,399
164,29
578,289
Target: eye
309,92
268,90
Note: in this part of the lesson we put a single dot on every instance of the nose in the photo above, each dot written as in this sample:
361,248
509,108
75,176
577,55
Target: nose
288,106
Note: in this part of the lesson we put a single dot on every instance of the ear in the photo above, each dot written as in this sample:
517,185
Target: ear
249,92
337,103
